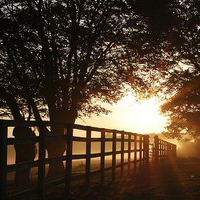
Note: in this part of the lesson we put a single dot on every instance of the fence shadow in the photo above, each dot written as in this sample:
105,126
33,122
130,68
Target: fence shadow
158,181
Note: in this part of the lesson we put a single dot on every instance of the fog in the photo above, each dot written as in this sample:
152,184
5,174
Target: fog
184,149
189,149
78,148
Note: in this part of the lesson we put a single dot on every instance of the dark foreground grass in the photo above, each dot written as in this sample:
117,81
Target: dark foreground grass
179,180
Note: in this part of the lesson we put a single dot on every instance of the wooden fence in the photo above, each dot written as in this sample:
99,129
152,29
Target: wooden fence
134,152
163,149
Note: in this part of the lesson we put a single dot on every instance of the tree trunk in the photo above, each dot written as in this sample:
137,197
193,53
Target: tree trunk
24,153
56,148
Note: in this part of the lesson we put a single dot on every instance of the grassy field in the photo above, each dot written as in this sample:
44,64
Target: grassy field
166,181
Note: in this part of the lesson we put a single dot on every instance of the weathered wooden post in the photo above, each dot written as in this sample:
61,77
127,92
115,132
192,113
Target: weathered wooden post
69,157
135,153
122,154
3,160
168,150
165,150
102,156
156,141
146,149
129,153
140,151
88,155
114,155
174,151
161,150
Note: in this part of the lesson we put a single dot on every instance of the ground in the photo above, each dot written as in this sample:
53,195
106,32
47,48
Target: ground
178,180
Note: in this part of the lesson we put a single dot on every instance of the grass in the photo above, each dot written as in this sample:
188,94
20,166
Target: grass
178,180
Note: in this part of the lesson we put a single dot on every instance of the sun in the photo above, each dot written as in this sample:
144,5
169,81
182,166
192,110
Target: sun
130,115
143,117
147,111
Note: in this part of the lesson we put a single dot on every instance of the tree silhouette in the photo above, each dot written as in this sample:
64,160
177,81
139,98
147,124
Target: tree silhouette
182,81
58,58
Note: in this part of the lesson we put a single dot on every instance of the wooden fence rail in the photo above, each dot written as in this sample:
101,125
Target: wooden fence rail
134,146
163,149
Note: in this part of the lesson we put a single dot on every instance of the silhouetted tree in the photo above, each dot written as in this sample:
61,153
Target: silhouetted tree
59,57
181,80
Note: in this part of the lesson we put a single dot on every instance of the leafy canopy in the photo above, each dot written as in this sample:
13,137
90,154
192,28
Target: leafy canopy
59,57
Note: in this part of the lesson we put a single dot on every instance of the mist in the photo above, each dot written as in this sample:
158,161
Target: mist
190,149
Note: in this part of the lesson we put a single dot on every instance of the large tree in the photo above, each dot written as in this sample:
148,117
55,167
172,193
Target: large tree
59,57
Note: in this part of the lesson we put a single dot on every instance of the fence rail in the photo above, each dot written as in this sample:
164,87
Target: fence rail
134,146
163,149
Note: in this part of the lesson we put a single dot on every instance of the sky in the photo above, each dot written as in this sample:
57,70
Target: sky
129,115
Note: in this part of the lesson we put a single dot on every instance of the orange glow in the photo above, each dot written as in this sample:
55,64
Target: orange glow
130,115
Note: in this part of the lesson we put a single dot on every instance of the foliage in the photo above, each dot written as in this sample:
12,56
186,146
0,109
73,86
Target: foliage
58,56
181,82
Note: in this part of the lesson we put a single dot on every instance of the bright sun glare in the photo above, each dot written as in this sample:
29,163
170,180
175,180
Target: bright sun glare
129,115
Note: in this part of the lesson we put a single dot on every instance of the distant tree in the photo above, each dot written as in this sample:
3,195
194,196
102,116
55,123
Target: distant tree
181,78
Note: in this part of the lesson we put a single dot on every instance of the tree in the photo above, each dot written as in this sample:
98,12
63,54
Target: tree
59,57
181,80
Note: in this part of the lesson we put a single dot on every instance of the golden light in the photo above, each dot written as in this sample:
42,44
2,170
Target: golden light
141,117
129,115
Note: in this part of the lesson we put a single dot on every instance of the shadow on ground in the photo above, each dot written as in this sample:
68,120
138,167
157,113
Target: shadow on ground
178,180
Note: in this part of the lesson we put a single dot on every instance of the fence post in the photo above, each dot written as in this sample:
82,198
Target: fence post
135,153
140,150
174,151
69,157
165,150
102,156
41,167
122,154
160,150
3,160
156,141
113,155
146,149
88,156
129,153
168,151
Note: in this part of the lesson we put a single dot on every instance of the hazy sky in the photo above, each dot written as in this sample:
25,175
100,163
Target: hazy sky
130,115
